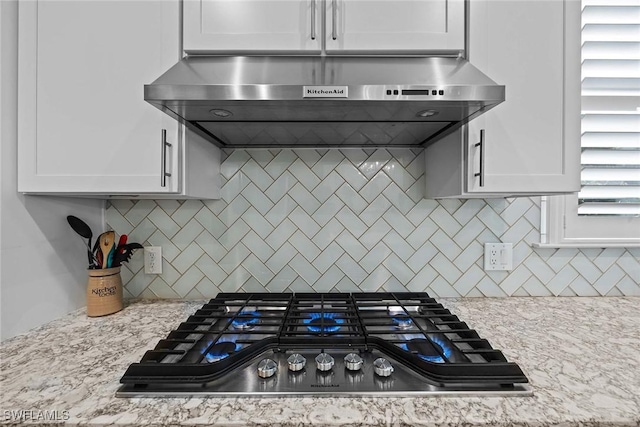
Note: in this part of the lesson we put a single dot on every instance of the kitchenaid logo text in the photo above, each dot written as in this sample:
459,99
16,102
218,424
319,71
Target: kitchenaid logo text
104,292
325,91
23,415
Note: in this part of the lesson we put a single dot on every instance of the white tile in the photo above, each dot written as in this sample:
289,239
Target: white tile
234,234
281,210
351,174
404,156
116,221
608,257
422,279
327,257
121,205
609,279
489,288
187,210
235,280
492,220
446,268
308,155
422,233
630,265
328,233
257,175
187,281
422,210
445,245
299,285
451,205
398,174
399,269
304,174
561,257
160,219
346,285
468,280
535,288
517,231
232,164
257,269
421,257
515,279
329,161
586,268
398,245
445,221
375,186
469,232
398,222
281,187
187,234
210,222
234,258
351,245
440,288
417,191
280,234
234,186
304,222
187,257
516,210
307,271
351,198
282,280
374,163
629,287
328,280
394,285
168,205
468,210
304,198
257,222
351,268
354,155
328,187
233,210
398,198
211,246
161,289
281,257
538,267
140,211
327,210
583,288
211,270
375,210
258,246
375,257
257,199
561,280
304,245
375,280
280,163
351,221
262,156
205,288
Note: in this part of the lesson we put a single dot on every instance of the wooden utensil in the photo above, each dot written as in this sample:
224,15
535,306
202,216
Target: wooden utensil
107,243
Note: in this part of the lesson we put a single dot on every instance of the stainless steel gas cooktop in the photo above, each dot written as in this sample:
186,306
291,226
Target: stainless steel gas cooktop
323,344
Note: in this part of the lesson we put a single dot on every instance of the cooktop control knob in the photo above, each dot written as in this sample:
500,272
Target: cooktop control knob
324,362
382,367
296,362
353,362
266,368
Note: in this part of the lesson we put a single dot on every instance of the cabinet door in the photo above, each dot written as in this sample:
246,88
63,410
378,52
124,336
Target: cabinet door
247,26
84,125
531,141
399,26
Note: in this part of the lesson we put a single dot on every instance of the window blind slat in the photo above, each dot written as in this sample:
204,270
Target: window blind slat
610,108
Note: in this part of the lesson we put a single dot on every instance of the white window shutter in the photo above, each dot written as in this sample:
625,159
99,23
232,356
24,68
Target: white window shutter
610,108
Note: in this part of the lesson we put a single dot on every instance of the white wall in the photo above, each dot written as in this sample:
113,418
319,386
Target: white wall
42,262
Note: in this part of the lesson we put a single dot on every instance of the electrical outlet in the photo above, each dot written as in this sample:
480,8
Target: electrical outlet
498,256
153,260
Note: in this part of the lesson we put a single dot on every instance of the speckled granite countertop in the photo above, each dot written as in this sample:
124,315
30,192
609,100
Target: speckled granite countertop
580,354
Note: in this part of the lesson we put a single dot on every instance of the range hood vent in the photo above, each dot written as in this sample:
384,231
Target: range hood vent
279,101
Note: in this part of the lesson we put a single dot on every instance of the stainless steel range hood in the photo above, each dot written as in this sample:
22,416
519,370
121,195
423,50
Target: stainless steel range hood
319,101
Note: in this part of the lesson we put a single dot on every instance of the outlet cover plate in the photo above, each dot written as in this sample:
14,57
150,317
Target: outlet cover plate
153,260
498,256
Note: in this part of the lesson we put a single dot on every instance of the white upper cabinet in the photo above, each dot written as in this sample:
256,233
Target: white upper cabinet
530,142
84,127
399,26
236,26
346,26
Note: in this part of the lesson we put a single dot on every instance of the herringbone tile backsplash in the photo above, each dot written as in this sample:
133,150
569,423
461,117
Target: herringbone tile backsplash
351,220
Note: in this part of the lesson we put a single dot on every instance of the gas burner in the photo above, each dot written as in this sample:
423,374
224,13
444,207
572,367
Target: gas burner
220,351
323,322
402,322
246,320
428,349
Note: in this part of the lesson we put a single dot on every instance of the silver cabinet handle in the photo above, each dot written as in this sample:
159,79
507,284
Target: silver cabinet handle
313,19
481,145
163,168
334,18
